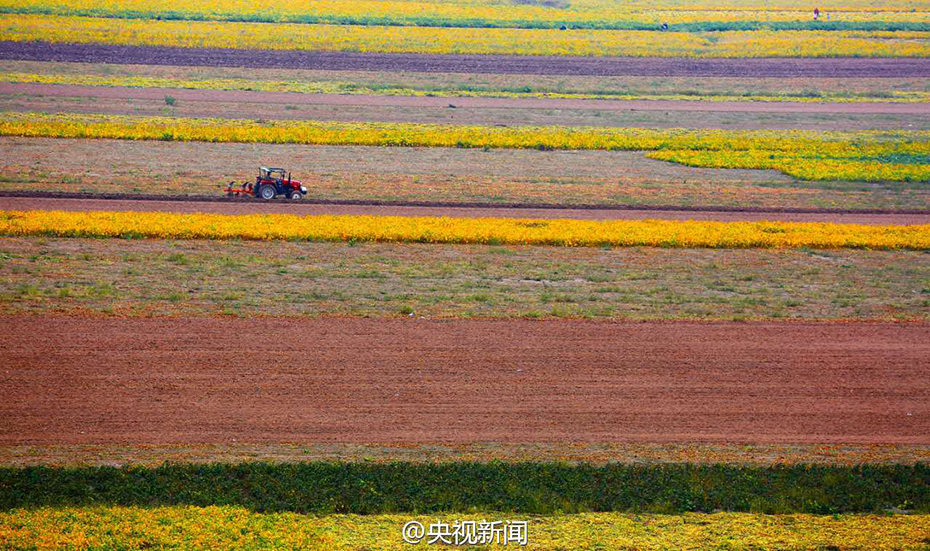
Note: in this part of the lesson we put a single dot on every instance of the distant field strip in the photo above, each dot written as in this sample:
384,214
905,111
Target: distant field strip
855,156
225,527
352,88
460,40
498,231
725,15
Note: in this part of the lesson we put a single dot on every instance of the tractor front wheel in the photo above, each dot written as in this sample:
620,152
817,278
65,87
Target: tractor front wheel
296,196
267,192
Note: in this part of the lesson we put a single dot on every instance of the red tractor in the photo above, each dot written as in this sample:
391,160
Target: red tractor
269,183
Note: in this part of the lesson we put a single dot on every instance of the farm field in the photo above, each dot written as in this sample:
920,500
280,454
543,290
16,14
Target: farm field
225,526
570,453
429,174
479,231
686,382
638,275
233,526
696,87
784,67
202,278
675,113
871,156
597,14
344,81
208,204
462,40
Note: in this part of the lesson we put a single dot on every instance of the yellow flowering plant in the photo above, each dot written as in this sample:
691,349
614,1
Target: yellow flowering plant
561,232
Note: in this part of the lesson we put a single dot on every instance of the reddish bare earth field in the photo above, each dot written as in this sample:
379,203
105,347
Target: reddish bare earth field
202,380
291,98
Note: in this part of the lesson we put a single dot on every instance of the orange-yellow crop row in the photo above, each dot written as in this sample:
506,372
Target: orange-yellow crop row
811,167
596,13
563,232
461,40
111,527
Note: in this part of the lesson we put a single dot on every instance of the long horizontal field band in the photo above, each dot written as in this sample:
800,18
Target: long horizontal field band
531,15
551,207
808,155
593,453
454,16
496,231
268,90
809,67
464,40
538,488
227,527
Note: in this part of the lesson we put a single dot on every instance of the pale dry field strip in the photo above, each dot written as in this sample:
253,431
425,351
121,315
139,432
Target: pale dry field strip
464,111
425,174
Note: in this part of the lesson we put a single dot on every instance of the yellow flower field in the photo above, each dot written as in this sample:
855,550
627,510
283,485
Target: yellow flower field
440,40
803,168
351,88
225,527
859,156
471,12
396,229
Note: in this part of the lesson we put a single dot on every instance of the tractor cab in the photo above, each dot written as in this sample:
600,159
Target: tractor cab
277,174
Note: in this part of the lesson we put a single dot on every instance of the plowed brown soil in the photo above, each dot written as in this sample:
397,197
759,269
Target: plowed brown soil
165,380
475,64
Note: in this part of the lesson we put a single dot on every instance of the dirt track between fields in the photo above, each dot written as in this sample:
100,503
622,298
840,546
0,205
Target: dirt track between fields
245,206
290,98
216,380
475,64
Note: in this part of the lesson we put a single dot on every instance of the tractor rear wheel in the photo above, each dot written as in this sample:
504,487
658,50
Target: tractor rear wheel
296,196
267,191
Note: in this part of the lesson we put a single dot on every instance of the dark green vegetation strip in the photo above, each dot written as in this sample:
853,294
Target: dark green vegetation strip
478,22
900,158
459,487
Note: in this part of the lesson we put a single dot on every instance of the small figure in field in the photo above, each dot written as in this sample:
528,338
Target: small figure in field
816,14
664,26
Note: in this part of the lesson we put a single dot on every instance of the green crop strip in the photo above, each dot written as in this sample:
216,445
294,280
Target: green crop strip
455,90
539,488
